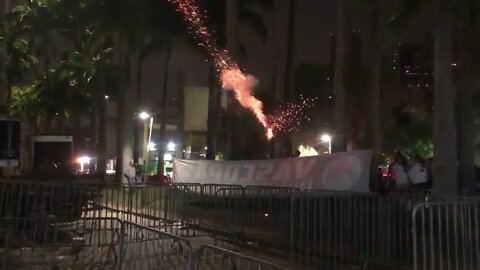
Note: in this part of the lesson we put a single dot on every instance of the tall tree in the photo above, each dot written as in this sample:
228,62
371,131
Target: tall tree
445,161
466,15
341,38
233,45
163,106
373,123
283,31
4,9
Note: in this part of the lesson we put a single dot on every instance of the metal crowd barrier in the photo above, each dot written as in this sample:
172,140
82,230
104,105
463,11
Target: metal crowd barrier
39,243
147,248
65,201
446,235
246,214
314,229
214,258
335,230
105,243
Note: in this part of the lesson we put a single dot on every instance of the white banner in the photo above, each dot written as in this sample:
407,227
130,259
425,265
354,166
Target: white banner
347,171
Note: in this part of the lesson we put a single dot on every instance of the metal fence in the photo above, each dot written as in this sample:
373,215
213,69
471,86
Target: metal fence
214,258
446,235
106,243
313,229
39,243
332,231
147,248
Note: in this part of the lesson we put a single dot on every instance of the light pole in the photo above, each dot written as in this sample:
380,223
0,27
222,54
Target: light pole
327,139
145,116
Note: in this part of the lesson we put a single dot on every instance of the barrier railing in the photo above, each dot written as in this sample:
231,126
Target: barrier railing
106,243
147,248
331,231
39,243
446,235
214,258
315,229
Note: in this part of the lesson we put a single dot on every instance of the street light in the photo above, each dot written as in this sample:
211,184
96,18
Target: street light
84,160
152,146
327,139
171,146
144,115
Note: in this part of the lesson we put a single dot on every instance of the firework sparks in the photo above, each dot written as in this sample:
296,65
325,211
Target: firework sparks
233,79
288,119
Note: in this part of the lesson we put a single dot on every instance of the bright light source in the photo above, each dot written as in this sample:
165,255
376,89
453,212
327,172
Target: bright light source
326,138
151,146
307,151
206,148
84,160
171,146
167,157
144,115
107,97
266,215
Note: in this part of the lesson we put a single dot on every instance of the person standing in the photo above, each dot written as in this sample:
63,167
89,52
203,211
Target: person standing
398,172
418,173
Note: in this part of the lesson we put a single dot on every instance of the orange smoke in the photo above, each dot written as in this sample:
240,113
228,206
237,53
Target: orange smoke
242,84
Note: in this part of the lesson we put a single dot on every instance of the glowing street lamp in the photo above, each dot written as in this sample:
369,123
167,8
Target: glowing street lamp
152,146
144,115
171,146
327,139
85,160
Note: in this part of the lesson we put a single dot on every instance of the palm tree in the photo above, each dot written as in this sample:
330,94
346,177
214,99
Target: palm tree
4,9
373,123
283,64
233,45
445,148
339,78
382,35
123,20
465,122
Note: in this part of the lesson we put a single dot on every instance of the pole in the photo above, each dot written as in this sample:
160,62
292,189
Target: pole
329,146
148,148
9,146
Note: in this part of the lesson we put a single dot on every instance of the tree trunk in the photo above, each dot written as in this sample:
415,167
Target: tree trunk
290,69
136,146
445,150
4,9
281,32
342,33
465,118
233,42
163,110
213,105
123,117
373,123
102,126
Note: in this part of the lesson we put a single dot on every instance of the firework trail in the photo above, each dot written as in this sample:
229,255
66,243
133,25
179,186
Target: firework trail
231,76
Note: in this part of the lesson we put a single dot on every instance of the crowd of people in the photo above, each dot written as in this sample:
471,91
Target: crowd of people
410,174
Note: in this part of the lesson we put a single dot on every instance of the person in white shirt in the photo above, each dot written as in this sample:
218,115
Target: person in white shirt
398,172
418,173
130,174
